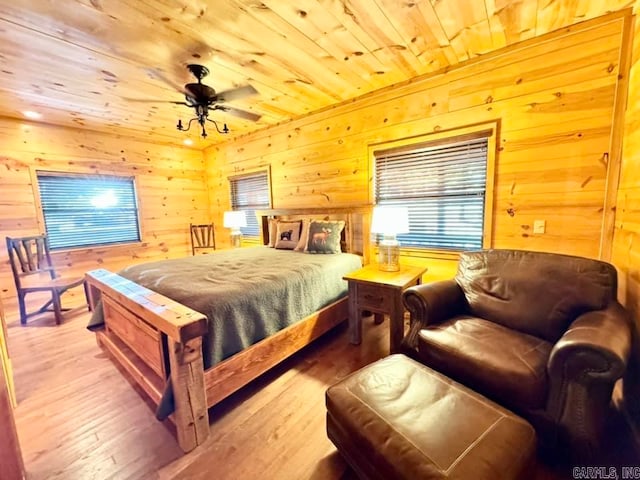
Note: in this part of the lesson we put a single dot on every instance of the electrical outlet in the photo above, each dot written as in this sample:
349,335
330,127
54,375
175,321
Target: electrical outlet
539,226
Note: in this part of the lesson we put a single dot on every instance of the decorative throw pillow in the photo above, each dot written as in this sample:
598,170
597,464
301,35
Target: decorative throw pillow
288,235
304,236
273,226
324,236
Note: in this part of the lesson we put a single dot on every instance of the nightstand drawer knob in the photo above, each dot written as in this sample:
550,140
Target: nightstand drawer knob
373,298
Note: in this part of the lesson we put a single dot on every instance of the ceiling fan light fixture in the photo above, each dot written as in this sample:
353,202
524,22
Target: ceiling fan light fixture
201,120
202,99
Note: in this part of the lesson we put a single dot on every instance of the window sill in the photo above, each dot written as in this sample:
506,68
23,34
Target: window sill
87,248
428,253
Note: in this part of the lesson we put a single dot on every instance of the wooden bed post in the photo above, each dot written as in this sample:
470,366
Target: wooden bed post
191,416
136,317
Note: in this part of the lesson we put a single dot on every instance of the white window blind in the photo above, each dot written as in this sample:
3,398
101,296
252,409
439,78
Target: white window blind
250,193
443,185
88,210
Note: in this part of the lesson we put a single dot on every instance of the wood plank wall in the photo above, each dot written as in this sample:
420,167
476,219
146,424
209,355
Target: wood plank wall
626,242
553,96
170,184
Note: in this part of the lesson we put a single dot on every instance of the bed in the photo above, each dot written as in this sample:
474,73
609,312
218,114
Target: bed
177,355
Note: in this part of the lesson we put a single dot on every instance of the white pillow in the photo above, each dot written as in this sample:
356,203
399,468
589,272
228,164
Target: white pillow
272,232
304,236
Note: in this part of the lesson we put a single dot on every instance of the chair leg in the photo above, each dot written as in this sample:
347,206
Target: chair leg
85,285
23,309
57,308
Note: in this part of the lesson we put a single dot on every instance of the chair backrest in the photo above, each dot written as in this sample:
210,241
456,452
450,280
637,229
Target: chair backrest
537,293
202,237
29,256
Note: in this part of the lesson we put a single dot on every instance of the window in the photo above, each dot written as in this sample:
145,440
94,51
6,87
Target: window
250,193
443,184
88,210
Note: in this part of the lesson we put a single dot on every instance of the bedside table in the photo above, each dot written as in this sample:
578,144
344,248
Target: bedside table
380,292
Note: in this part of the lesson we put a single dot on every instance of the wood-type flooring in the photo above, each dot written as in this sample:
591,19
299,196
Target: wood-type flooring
78,417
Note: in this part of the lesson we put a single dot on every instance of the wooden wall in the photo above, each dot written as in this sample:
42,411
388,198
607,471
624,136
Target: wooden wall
626,242
554,98
170,184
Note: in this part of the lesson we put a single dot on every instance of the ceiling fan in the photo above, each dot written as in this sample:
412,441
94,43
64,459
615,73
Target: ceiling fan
202,98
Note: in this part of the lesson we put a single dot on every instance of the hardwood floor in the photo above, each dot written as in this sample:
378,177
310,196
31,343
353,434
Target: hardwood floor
78,418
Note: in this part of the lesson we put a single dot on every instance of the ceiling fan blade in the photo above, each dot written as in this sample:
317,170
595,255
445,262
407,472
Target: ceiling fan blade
158,75
236,112
236,94
144,100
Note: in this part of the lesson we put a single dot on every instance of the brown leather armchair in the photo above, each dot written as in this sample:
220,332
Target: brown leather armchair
540,333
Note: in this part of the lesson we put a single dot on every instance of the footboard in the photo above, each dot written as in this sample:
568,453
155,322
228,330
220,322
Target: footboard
137,322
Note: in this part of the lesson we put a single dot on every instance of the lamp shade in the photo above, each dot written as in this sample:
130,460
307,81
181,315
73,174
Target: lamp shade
389,220
234,219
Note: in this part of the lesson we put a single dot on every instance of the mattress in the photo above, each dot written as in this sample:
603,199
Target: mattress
248,294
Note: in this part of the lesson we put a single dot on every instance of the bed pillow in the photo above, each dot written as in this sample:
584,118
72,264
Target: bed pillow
304,237
273,227
288,235
324,236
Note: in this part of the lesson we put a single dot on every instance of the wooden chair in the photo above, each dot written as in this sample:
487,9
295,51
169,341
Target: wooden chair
33,271
202,237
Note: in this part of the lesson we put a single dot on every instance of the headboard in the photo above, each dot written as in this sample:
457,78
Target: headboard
355,238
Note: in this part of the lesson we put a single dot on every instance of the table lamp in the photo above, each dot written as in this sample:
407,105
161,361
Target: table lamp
235,220
389,221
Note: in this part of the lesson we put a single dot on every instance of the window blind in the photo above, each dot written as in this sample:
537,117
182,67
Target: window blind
250,193
443,186
88,210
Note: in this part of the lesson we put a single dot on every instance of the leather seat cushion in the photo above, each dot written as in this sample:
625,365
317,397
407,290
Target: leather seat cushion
399,419
504,364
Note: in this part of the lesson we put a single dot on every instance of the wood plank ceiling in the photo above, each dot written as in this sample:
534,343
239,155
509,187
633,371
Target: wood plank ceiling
81,62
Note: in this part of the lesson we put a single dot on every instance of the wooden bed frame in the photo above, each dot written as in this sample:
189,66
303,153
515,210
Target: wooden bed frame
149,334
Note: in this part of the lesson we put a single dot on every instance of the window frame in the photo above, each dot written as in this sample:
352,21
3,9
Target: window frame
34,171
488,130
247,174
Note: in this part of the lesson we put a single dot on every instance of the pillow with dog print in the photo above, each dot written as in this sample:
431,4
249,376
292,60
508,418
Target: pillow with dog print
287,235
324,236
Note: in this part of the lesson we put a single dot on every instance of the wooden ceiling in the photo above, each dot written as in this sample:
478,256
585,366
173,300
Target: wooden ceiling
81,62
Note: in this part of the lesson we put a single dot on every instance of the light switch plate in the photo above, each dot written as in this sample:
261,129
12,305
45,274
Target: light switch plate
539,226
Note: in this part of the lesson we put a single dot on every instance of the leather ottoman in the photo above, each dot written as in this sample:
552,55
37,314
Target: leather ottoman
398,419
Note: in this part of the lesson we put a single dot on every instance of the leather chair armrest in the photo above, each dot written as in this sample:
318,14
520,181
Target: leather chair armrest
432,303
596,344
583,368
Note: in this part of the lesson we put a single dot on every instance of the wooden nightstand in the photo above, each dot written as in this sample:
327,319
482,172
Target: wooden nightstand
380,292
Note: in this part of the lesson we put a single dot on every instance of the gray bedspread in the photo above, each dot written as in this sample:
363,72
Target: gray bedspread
249,293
